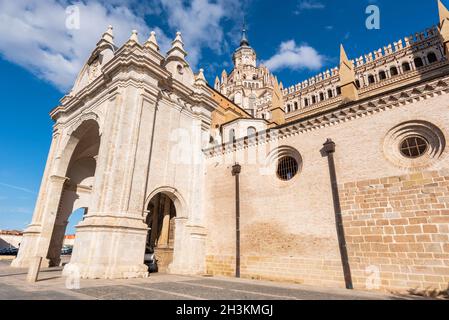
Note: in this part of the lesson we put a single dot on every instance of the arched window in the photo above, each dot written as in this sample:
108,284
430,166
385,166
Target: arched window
321,96
371,79
394,71
232,135
288,107
313,99
306,102
382,75
418,62
406,67
357,83
338,90
432,57
296,105
251,131
329,93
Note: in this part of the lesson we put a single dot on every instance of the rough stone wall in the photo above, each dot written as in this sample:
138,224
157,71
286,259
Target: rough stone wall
397,228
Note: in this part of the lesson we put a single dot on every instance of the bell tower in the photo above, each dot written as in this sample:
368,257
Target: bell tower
244,55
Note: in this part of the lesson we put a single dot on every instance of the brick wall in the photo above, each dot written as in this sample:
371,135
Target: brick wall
324,272
398,227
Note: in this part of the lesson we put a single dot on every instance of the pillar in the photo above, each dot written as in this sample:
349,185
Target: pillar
163,239
36,241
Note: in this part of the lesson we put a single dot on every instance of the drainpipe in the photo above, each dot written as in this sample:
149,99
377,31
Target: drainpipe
329,150
236,169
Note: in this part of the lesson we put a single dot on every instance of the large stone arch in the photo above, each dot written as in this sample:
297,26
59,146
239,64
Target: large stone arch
74,135
67,188
174,195
168,249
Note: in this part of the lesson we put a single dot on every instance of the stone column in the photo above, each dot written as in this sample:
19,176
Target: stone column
29,244
39,243
155,218
163,239
50,215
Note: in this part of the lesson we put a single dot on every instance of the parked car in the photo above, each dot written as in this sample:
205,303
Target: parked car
66,251
9,251
150,260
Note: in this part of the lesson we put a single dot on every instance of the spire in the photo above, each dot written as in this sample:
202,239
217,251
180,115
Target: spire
152,42
217,83
443,11
244,41
347,77
344,57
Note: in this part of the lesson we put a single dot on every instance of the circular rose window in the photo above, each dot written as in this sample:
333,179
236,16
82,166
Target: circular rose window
414,147
287,168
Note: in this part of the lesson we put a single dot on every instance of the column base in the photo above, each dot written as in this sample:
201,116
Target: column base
108,247
29,248
82,271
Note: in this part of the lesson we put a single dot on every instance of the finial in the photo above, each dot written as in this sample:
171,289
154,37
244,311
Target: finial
201,75
200,79
109,35
134,36
152,42
178,37
177,47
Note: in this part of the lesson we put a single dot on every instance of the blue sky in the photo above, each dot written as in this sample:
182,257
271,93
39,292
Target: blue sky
40,57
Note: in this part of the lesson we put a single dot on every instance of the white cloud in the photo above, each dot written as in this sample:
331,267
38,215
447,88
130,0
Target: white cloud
292,56
10,186
310,5
33,33
200,23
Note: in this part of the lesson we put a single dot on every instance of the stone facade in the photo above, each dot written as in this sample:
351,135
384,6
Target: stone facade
146,147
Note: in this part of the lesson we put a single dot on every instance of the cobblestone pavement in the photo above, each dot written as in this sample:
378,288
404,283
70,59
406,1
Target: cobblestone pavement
51,285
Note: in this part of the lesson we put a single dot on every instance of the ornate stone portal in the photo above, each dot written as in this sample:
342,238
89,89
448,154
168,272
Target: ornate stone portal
111,148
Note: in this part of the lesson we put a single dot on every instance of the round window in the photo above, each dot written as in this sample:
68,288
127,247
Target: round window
287,168
414,147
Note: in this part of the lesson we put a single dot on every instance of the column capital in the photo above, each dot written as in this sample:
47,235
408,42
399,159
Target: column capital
56,178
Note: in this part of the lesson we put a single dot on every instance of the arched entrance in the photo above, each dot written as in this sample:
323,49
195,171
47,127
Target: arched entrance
161,234
77,189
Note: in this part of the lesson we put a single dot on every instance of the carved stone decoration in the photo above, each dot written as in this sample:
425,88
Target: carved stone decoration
94,70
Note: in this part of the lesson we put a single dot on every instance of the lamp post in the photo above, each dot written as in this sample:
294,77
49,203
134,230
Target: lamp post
236,169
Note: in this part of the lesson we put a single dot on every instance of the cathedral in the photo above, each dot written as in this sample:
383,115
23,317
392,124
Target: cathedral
341,180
